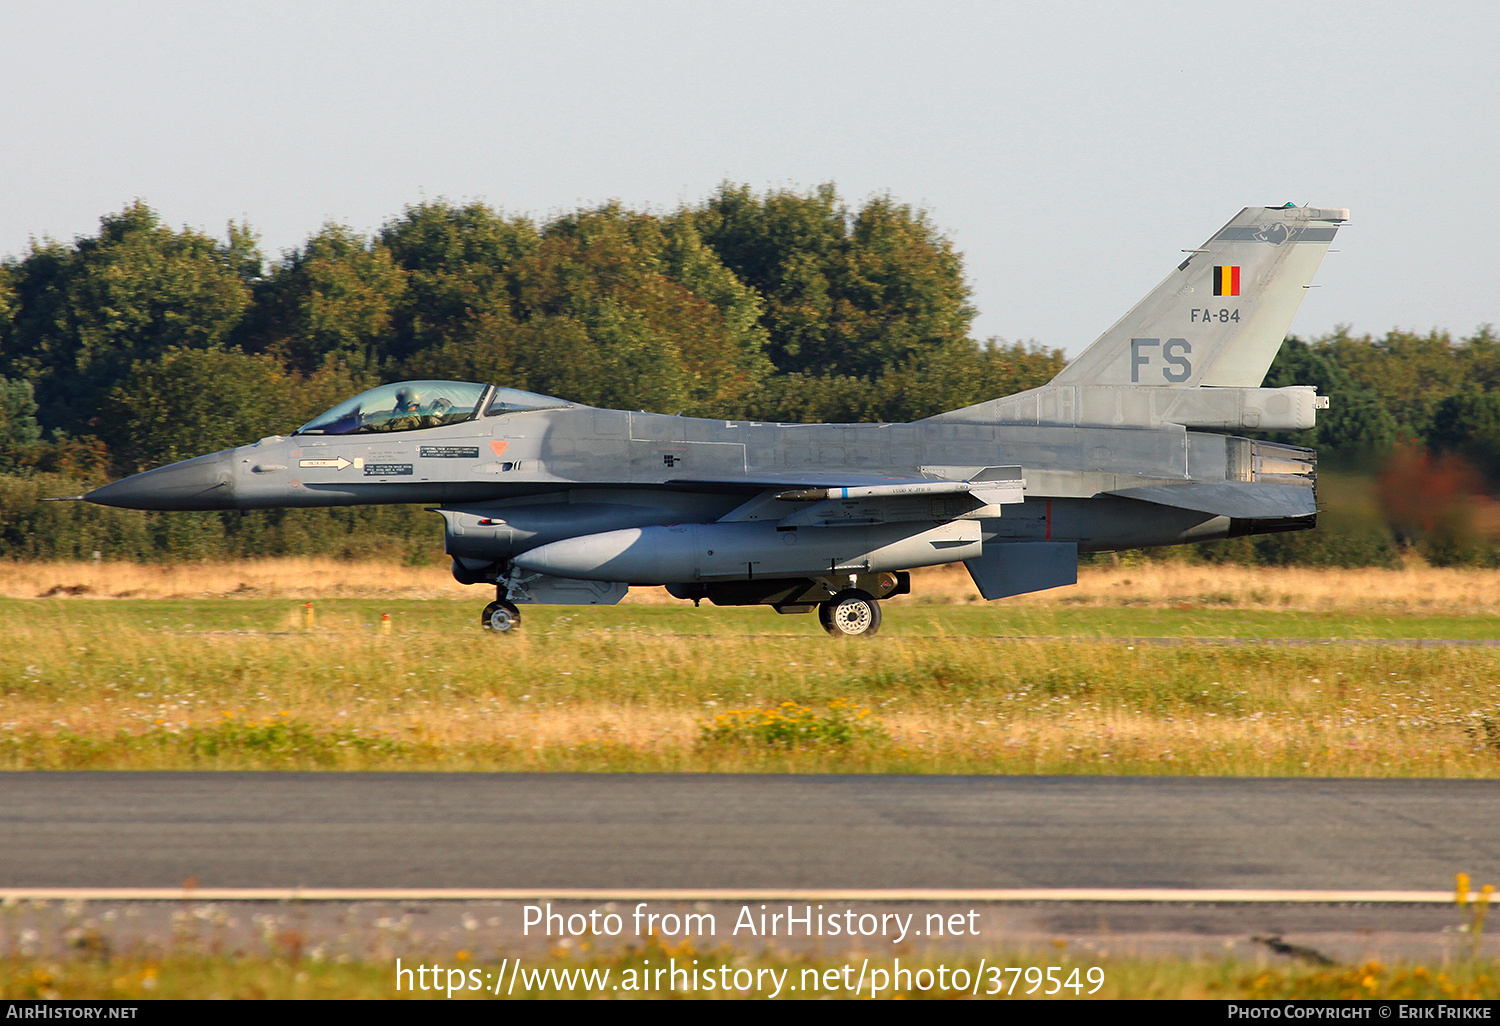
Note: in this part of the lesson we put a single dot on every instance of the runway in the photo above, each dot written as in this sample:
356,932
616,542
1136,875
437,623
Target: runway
1276,642
612,833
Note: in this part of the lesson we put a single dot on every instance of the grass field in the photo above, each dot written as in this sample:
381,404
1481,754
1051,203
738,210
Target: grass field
1057,683
290,950
1416,589
1141,669
240,977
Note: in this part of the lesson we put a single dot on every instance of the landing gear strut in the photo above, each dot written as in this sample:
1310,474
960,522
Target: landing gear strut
851,614
501,617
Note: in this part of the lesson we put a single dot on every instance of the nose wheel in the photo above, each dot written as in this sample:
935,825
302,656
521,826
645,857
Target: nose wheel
500,617
850,614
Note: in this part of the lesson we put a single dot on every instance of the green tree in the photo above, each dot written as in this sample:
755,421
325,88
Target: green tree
960,375
1410,374
844,293
9,301
1480,356
18,425
1357,429
82,315
19,431
1468,423
605,319
459,262
334,299
187,402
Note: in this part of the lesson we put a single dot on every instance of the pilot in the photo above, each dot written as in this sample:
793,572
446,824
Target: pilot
406,415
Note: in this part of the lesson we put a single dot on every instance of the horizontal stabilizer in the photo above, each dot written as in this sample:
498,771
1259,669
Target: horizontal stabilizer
1242,500
1015,568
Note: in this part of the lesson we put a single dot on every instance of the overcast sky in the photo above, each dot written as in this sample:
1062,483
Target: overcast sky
1070,150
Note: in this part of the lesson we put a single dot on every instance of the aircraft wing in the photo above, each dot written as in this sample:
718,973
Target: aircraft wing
1242,500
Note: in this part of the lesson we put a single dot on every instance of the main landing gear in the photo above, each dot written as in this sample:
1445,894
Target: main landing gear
500,616
850,614
848,605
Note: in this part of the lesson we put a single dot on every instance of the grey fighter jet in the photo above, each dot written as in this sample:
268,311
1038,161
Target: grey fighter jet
553,501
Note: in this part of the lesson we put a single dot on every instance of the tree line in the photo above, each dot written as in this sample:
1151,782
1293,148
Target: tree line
789,306
145,344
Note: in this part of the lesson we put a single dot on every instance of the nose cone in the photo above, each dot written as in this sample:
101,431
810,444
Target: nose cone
198,484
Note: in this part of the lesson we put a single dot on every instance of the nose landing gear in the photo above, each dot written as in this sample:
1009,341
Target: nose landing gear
501,617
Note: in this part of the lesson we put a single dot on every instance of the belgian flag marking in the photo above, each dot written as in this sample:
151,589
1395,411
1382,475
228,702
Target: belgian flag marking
1226,281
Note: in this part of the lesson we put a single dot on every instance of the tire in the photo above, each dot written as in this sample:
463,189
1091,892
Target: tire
500,617
850,614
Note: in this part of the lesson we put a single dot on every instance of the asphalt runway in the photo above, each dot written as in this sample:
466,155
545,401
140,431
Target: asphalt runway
1288,642
1182,641
711,831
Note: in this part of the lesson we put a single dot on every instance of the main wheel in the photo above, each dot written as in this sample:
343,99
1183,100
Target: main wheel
850,614
501,617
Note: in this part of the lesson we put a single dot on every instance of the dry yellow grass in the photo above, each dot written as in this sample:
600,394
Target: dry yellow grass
115,691
606,736
1415,589
290,577
293,964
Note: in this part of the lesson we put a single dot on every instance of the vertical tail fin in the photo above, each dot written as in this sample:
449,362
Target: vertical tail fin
1218,320
1220,317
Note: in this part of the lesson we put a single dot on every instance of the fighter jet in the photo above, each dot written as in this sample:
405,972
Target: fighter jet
551,501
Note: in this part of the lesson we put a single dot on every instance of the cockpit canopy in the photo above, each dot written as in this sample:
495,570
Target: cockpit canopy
409,405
